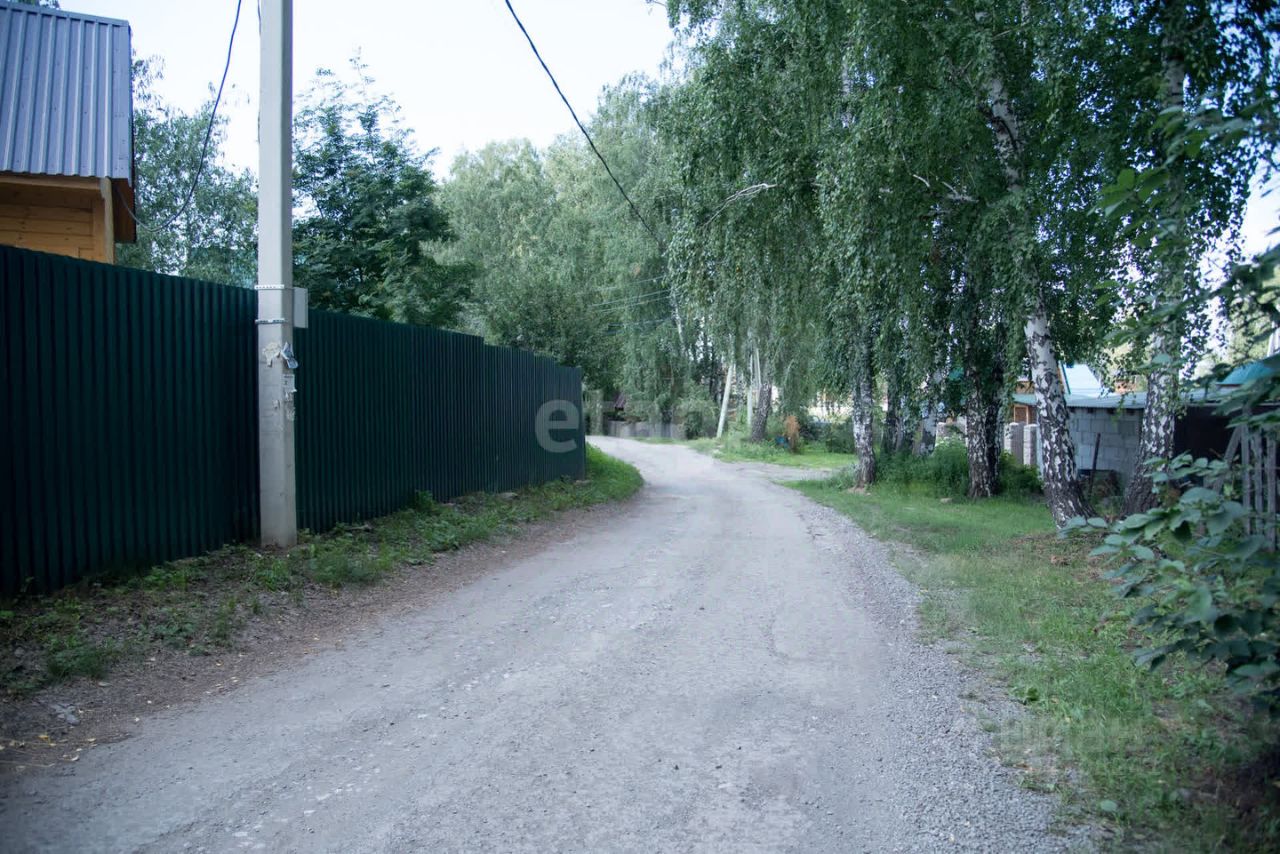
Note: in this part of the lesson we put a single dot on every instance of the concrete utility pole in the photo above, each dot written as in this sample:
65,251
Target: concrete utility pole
724,402
277,486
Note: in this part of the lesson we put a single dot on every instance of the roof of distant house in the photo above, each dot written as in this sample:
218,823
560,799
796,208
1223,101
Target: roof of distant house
1132,400
1082,381
66,95
1245,373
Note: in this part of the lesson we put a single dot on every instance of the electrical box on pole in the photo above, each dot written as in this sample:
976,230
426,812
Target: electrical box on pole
277,311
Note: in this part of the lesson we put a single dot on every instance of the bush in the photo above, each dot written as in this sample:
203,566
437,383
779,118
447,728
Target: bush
945,472
699,416
811,429
1210,589
791,432
839,437
1018,479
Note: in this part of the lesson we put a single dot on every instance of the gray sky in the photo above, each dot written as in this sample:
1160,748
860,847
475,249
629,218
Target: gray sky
460,69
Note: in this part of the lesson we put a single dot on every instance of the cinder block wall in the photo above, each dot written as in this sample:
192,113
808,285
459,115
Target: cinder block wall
1117,449
1118,446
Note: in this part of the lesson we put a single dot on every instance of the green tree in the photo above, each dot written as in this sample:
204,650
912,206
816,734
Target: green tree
369,225
562,265
214,235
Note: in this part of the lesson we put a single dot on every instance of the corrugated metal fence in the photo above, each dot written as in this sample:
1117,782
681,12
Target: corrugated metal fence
387,410
128,434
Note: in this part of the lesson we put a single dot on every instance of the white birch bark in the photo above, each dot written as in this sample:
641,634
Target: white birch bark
861,418
929,418
1159,415
764,401
1062,489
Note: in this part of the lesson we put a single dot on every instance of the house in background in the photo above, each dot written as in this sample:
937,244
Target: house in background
1106,425
66,132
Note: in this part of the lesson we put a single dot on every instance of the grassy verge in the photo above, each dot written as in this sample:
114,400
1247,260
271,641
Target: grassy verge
1164,759
202,604
734,449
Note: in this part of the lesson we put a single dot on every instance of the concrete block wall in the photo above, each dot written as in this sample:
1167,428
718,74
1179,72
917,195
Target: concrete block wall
1115,433
1117,447
1013,439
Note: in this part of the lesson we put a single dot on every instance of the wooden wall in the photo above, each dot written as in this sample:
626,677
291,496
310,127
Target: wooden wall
64,216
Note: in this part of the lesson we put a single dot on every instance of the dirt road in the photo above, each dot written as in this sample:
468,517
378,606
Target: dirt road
724,667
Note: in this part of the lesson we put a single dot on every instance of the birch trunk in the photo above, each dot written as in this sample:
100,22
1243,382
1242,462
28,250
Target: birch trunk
908,420
1061,487
982,437
892,416
929,419
861,418
1158,417
1057,452
764,401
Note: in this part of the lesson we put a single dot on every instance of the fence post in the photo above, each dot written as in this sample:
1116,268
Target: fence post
277,481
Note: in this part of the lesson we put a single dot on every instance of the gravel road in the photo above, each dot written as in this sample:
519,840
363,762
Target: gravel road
724,666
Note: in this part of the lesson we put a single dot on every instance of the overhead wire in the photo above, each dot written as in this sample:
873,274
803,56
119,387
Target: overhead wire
628,298
635,210
208,136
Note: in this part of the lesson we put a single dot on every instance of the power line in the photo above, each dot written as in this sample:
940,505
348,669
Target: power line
617,285
208,135
578,122
629,298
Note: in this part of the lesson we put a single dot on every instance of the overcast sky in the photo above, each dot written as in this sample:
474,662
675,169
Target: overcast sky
460,69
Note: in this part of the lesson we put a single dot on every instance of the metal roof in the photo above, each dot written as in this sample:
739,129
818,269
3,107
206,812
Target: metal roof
66,95
1245,373
1132,400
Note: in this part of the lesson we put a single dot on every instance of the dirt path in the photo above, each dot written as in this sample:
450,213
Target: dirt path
725,667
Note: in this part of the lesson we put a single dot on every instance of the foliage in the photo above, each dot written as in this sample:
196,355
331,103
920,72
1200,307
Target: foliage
1211,591
945,472
369,219
838,437
699,415
563,266
215,236
1208,583
1017,479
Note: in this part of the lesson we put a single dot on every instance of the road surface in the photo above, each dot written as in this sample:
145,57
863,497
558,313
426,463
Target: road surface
723,666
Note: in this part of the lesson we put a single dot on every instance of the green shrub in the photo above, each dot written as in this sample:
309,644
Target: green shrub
1210,588
340,567
1017,479
945,472
838,437
699,416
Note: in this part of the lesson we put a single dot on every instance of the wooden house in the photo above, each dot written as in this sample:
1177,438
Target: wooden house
66,132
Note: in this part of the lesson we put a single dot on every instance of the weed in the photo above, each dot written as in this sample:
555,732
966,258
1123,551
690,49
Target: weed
225,622
69,656
274,573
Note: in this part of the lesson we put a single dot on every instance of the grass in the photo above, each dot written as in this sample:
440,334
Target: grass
735,449
202,604
1162,759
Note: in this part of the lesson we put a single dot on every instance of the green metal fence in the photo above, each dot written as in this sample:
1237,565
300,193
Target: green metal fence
127,435
387,410
128,432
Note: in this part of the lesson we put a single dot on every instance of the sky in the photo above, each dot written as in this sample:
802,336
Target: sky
460,69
